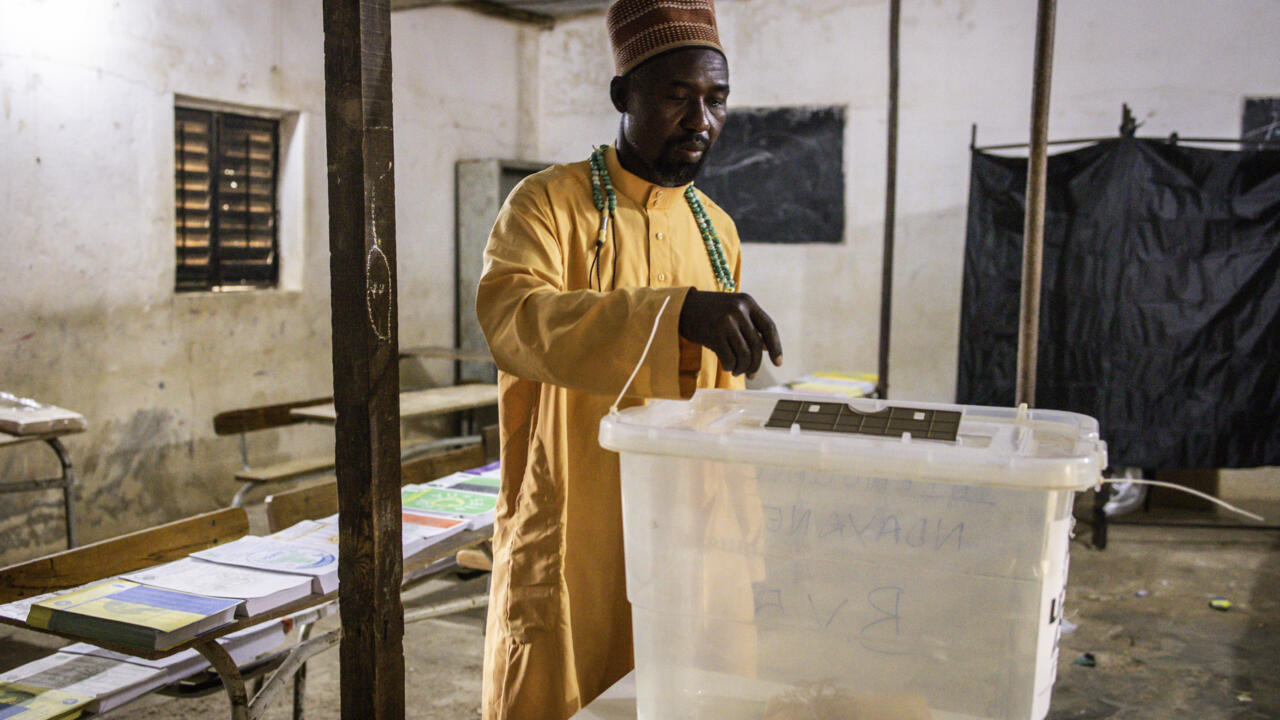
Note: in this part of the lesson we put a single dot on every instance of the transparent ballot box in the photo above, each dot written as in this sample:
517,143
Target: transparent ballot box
800,557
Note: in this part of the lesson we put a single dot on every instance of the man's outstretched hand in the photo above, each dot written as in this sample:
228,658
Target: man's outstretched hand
733,326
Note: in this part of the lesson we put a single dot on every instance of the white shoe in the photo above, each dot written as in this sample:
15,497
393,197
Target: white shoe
1125,496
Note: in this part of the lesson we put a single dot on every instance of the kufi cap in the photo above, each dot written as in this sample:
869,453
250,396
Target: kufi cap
641,29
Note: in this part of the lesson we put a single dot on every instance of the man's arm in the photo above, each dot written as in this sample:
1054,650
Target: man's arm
580,339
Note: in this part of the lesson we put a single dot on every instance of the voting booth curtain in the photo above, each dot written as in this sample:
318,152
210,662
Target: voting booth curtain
1160,311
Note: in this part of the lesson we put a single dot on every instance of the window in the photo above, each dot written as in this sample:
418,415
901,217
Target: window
225,180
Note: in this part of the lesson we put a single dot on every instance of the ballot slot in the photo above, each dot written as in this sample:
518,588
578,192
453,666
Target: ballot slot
892,421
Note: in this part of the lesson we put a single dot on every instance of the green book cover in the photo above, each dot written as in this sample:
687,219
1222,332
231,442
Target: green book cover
444,500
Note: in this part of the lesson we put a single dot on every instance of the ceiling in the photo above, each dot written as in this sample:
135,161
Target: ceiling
538,12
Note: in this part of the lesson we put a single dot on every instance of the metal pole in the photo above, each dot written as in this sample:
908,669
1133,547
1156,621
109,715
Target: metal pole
68,488
366,378
1033,238
890,202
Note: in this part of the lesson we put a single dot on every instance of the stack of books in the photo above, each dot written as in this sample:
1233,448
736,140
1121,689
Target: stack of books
85,678
133,615
417,533
104,683
24,416
832,383
470,482
435,500
258,591
280,556
242,646
19,701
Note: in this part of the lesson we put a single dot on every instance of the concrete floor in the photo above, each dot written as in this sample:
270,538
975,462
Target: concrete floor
1141,607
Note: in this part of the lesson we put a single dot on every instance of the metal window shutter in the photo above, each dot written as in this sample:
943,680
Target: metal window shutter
245,201
193,196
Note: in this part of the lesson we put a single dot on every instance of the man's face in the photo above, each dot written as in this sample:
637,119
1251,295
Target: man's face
673,108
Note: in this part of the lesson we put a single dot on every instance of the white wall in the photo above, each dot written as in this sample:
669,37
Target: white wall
88,316
1182,65
89,320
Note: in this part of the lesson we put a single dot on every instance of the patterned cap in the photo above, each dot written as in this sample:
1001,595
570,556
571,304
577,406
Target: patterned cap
641,29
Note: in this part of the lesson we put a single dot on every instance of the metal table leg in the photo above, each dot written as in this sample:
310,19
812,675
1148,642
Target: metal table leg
244,707
231,678
1100,498
296,661
299,692
68,488
300,677
238,500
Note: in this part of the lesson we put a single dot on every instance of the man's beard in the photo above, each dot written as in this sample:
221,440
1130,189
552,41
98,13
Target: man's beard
672,172
676,173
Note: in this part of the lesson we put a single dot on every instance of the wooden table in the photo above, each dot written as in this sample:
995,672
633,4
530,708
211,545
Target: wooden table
242,706
418,403
616,703
436,352
66,480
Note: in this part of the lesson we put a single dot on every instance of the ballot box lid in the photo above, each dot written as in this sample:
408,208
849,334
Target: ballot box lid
938,442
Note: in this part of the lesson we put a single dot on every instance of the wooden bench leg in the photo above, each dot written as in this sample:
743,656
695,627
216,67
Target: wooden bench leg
477,596
475,559
230,675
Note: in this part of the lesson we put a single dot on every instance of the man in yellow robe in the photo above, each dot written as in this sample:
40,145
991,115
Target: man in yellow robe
567,311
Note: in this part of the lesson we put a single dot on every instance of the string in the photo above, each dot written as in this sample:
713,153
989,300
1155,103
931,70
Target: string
594,270
644,355
1197,493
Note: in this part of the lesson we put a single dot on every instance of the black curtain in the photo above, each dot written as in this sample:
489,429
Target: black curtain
1160,312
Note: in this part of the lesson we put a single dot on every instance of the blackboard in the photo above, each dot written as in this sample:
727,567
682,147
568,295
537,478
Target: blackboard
1261,120
779,173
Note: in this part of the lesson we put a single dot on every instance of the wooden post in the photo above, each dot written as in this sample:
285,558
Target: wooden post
1033,233
890,203
362,262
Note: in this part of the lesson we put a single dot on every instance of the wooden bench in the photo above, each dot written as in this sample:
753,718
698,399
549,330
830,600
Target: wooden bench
267,417
127,553
421,403
321,500
413,404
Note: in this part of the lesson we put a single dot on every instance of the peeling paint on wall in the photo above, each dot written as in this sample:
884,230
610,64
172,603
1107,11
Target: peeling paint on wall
88,316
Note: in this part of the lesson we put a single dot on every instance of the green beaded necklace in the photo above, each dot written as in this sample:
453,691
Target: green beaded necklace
602,193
